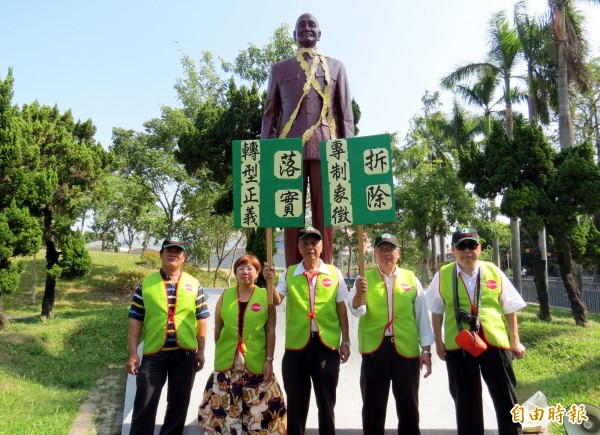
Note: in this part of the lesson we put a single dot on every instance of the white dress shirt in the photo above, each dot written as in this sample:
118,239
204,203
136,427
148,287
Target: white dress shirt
510,299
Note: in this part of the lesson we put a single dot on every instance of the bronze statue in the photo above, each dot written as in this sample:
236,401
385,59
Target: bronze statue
309,97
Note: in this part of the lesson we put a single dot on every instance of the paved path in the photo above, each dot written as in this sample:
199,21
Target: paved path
435,404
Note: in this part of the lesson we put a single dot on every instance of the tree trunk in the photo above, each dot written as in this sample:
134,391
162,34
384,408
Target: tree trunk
3,318
540,276
516,252
52,257
423,269
442,248
34,285
434,261
565,124
565,263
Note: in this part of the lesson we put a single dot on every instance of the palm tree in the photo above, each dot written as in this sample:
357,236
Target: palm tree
531,35
571,48
502,57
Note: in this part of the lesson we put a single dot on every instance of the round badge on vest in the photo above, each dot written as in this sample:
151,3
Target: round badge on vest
256,307
327,282
491,284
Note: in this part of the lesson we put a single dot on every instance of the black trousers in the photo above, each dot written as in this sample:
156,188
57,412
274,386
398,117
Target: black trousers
376,372
298,367
179,367
464,376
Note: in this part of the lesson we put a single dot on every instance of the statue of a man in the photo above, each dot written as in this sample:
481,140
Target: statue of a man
309,97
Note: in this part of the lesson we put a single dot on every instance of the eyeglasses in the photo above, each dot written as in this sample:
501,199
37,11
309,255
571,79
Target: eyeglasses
245,269
464,245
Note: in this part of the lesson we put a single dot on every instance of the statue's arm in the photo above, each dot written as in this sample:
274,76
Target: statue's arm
343,107
272,112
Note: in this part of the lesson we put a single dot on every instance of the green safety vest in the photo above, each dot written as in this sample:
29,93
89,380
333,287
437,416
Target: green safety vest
253,336
372,326
491,315
298,309
154,292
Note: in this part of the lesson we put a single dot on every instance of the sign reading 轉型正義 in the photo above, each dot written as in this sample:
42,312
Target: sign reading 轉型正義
358,185
267,183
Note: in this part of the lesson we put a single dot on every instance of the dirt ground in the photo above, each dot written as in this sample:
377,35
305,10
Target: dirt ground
102,413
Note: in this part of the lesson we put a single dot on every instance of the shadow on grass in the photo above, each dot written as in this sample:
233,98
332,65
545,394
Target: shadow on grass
576,384
96,339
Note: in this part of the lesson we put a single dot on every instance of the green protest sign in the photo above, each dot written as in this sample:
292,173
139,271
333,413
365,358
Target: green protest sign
358,185
267,183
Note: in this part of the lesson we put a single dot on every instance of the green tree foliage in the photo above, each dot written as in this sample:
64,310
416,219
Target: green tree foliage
20,232
208,146
430,196
54,165
146,160
545,189
75,260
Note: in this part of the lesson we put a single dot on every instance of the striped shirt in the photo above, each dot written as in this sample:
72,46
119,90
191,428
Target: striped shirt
138,312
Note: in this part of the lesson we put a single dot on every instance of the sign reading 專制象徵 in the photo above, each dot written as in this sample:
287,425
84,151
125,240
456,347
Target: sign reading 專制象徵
267,183
358,185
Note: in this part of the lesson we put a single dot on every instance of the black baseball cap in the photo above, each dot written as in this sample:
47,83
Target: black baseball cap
309,231
386,238
173,241
462,234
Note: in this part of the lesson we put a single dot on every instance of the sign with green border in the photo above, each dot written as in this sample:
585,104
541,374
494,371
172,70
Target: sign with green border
358,184
267,183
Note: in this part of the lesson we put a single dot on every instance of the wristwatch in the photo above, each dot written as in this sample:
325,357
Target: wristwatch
345,343
270,358
425,352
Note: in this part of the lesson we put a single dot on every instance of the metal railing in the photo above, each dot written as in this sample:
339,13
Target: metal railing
557,294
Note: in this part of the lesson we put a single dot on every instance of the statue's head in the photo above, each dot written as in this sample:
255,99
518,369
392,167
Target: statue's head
307,31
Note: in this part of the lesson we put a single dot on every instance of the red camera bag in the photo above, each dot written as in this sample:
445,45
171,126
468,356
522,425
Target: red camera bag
471,342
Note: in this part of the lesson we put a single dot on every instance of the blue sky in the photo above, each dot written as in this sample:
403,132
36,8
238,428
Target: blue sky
116,61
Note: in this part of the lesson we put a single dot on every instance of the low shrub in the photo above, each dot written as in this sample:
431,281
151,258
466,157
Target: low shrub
126,281
150,260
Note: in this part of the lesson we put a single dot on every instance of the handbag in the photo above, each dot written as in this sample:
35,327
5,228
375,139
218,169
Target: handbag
471,342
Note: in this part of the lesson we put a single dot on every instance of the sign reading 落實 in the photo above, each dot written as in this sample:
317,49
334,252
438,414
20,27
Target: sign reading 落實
358,185
267,183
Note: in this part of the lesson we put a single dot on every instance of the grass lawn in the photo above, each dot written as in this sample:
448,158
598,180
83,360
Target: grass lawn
48,368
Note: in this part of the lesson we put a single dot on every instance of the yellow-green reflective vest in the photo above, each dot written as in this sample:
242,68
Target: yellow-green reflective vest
299,312
154,292
253,336
372,326
491,316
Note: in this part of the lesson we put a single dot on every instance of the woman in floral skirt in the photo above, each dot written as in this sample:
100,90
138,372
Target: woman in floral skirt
242,395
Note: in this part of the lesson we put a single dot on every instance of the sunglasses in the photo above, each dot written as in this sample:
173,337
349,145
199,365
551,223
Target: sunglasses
464,245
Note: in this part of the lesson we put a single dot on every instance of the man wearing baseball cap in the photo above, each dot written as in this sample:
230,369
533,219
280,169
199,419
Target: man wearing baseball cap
316,333
483,295
394,338
170,308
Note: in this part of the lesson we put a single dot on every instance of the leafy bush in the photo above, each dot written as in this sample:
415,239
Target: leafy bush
126,281
75,260
150,260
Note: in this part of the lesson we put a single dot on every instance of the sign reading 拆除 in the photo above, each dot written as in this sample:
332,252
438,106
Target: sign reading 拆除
267,183
358,185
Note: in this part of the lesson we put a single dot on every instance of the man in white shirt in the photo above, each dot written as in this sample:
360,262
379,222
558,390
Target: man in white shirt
395,339
484,296
316,333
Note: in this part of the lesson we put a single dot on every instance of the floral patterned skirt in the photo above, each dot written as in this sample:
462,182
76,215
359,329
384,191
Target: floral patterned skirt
237,402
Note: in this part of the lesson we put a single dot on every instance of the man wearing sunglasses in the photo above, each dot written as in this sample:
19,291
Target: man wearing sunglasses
485,295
